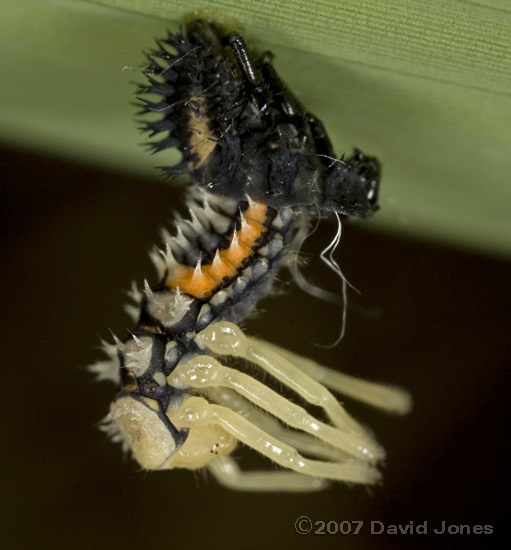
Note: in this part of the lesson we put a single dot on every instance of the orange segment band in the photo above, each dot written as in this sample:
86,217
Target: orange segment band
200,284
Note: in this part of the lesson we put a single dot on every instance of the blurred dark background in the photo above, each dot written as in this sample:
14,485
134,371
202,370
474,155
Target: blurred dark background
431,319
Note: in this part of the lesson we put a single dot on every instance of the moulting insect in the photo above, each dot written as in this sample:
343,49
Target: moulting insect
260,168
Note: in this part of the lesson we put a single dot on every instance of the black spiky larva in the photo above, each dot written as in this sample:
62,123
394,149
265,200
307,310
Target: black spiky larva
259,166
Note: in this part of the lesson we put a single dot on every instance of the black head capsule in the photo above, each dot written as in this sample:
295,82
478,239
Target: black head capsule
351,186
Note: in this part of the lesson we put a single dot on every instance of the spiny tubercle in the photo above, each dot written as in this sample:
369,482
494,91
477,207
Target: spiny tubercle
200,281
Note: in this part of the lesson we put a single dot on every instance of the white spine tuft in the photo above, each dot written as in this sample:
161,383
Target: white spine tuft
157,256
147,290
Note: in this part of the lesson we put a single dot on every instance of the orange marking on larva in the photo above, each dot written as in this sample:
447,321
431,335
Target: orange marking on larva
249,232
256,212
236,253
200,283
220,269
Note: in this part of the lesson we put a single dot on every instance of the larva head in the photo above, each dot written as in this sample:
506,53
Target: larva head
351,186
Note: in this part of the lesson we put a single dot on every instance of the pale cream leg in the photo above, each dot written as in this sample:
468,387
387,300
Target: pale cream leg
310,446
196,411
394,400
225,338
204,371
227,473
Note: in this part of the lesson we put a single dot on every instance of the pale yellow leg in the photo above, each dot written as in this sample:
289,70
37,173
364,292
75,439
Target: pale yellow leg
225,338
197,411
391,399
205,371
227,473
309,445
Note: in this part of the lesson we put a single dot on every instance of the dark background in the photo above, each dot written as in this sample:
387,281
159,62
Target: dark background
431,319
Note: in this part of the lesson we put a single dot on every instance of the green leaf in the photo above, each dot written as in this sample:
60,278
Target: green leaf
425,86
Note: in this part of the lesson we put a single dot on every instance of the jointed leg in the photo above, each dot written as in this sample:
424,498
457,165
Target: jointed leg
205,371
227,473
196,411
242,56
394,400
227,339
304,443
